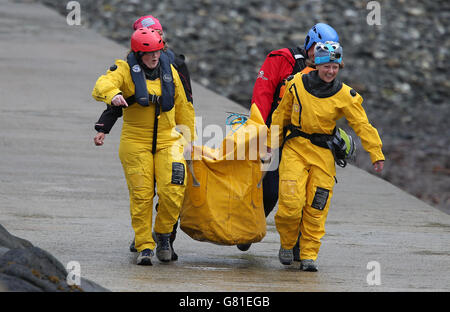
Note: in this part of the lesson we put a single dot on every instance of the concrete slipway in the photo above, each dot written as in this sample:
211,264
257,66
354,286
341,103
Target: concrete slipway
69,197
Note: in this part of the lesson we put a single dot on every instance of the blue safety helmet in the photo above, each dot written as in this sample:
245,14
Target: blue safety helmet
320,33
328,52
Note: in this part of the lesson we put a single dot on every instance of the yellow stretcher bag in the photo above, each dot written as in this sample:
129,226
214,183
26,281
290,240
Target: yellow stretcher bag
223,200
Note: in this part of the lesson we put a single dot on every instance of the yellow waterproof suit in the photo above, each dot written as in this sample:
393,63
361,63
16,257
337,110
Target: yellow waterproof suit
307,171
142,168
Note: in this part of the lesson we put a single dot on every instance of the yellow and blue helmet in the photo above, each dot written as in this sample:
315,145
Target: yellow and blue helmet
327,52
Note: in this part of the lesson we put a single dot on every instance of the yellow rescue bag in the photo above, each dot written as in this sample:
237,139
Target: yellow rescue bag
223,200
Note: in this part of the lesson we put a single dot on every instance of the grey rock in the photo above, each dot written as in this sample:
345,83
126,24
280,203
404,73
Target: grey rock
24,267
13,283
3,250
9,241
34,269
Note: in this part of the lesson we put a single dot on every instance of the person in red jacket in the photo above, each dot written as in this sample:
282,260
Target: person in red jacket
268,91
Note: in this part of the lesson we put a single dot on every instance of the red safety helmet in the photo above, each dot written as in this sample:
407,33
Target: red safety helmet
146,40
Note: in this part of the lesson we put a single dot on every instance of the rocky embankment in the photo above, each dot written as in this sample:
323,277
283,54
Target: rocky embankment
24,267
400,67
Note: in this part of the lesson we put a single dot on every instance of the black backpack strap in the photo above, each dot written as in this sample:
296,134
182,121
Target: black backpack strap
182,69
299,58
275,101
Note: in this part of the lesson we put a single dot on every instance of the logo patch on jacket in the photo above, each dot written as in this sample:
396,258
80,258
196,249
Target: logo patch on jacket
167,78
136,68
261,75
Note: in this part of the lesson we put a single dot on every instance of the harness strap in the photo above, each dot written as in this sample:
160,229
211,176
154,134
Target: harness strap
155,128
320,139
299,60
152,98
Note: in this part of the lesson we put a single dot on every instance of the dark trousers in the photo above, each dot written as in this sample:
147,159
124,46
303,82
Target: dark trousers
270,188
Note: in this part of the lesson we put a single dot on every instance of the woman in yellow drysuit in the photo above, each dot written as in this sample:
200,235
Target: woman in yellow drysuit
151,148
312,103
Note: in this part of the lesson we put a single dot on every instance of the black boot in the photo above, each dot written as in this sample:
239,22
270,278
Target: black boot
243,247
163,249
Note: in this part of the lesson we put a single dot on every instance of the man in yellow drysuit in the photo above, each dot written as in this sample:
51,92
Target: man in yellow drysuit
312,103
151,149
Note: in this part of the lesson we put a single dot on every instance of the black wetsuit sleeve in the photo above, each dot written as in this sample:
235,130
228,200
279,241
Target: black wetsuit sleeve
108,119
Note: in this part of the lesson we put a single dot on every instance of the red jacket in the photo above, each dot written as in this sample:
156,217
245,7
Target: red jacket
277,66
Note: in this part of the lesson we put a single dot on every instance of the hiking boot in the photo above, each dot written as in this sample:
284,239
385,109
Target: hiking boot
145,257
308,265
286,256
163,249
243,247
133,246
